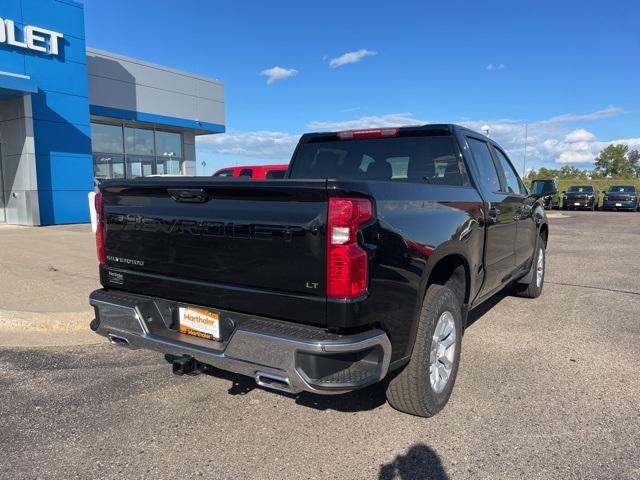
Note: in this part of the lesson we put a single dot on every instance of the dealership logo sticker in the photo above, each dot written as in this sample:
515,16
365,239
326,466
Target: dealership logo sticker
33,38
116,278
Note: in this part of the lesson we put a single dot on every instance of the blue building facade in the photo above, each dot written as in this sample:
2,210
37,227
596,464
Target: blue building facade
47,163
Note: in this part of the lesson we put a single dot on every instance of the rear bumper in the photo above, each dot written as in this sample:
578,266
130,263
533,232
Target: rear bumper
299,358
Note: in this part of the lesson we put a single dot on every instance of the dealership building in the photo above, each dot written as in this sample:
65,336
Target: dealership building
71,116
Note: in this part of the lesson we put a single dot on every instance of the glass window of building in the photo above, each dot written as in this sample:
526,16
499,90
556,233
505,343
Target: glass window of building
168,153
107,138
108,165
138,141
127,152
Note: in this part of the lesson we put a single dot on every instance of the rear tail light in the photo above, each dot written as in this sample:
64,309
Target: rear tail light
347,274
370,133
102,257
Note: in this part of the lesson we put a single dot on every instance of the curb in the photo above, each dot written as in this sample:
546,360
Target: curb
13,320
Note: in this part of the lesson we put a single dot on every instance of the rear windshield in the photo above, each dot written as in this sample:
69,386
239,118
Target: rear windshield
581,189
430,159
622,189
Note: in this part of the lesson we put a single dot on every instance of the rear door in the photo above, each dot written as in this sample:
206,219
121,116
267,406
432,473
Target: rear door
526,226
501,222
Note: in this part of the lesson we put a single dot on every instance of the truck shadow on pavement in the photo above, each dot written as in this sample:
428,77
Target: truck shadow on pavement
368,398
419,463
486,306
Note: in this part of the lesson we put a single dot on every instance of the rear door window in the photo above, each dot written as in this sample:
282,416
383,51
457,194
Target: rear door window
512,183
425,159
482,155
246,172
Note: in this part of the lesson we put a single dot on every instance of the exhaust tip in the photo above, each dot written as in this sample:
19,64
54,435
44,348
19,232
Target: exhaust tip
274,382
118,340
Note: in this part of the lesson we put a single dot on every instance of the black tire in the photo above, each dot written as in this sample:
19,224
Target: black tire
593,207
533,289
410,390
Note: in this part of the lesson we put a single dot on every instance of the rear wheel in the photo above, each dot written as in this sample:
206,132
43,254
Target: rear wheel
533,289
424,385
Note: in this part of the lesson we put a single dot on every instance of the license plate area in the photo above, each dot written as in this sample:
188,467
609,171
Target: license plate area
576,204
199,322
618,204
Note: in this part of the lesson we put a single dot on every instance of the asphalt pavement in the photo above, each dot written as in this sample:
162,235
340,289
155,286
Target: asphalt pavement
547,389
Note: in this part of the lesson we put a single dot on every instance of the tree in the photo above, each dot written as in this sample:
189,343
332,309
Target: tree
617,161
570,171
634,158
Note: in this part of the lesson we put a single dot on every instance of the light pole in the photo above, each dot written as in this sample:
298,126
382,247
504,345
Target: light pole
524,160
169,163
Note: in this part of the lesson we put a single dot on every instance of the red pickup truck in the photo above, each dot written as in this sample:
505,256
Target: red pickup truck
256,172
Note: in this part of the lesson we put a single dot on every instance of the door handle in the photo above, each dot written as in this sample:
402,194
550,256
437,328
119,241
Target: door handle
188,195
492,216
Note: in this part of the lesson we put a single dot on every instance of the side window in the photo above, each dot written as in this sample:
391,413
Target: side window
482,155
271,174
512,181
246,172
225,173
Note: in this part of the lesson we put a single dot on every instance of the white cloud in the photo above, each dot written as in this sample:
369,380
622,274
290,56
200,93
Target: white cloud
552,141
579,135
489,67
276,73
610,111
501,66
388,120
260,144
351,57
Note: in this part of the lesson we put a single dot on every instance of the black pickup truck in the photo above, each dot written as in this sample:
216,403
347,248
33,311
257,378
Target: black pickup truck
621,197
360,266
580,196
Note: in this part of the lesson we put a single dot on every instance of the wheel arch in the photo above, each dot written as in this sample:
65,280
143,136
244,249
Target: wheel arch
448,270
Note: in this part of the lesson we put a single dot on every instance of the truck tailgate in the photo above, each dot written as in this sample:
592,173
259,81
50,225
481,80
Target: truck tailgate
254,247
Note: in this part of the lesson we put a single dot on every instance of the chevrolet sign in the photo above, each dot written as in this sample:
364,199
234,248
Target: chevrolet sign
33,38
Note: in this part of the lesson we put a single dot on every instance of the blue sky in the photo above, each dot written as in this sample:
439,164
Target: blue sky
570,70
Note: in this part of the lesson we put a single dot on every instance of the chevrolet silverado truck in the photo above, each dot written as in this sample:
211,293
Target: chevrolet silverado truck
360,266
621,197
580,196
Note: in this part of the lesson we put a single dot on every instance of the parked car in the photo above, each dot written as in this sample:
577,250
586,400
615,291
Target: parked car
256,172
621,197
360,266
580,196
549,191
